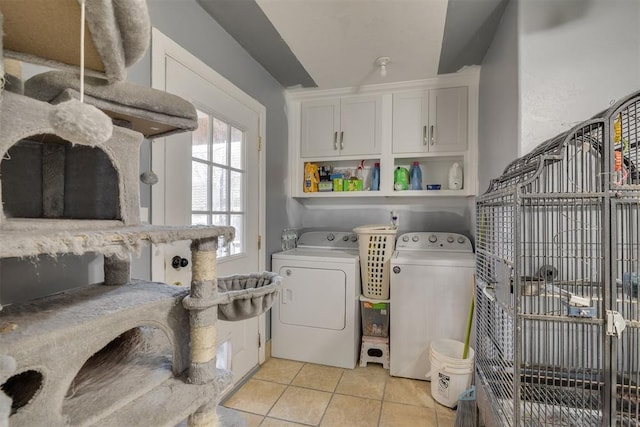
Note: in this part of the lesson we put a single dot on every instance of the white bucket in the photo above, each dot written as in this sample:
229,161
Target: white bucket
450,374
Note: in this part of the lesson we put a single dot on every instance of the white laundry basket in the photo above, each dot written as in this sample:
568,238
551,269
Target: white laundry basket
376,244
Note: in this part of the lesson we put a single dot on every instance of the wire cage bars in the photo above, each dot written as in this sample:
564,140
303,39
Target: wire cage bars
558,259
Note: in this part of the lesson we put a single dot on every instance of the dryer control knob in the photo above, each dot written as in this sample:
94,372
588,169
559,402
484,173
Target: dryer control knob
415,238
354,238
396,269
331,237
433,238
405,238
288,272
345,238
461,240
450,239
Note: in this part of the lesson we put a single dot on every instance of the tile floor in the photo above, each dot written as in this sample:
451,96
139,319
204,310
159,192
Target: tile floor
287,393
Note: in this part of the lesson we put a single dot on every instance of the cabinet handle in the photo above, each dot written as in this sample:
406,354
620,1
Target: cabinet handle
424,135
433,142
335,140
342,140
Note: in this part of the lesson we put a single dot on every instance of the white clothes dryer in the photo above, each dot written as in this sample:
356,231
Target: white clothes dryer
317,315
431,288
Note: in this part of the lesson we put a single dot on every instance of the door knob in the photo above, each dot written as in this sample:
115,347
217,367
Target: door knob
177,262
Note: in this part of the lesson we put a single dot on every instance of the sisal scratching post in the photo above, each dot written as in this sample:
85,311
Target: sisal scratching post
117,271
203,314
203,311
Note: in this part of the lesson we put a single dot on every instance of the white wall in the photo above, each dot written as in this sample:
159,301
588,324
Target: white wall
498,110
576,58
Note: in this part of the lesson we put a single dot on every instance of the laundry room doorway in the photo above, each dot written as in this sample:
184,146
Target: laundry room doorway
211,176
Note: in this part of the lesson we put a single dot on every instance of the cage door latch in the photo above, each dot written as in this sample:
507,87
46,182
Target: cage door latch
615,323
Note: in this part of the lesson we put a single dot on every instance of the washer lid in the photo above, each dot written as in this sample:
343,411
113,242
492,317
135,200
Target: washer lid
322,255
441,258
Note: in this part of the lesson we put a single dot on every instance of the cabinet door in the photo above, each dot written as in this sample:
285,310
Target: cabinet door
360,122
448,119
320,123
410,118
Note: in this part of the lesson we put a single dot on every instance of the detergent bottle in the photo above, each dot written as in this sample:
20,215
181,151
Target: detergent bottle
311,178
375,177
455,177
400,179
415,177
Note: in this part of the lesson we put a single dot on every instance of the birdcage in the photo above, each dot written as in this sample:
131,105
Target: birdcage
558,257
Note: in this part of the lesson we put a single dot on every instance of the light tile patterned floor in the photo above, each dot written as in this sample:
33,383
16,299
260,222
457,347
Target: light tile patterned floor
286,393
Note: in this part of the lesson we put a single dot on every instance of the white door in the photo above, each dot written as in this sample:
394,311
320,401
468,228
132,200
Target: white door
212,177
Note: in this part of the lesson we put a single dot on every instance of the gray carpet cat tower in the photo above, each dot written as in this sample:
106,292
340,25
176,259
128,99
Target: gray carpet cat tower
125,352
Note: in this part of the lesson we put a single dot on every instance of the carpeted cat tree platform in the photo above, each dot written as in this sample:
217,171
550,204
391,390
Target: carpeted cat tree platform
125,352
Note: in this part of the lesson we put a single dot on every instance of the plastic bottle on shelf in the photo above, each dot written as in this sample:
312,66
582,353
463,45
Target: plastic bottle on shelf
415,177
375,177
401,179
455,177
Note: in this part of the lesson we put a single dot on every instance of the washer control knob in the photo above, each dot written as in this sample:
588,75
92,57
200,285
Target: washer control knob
354,238
450,239
396,269
433,238
345,238
415,238
405,238
331,237
461,240
288,272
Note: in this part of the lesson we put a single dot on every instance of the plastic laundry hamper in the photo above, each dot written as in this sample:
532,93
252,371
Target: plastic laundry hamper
376,245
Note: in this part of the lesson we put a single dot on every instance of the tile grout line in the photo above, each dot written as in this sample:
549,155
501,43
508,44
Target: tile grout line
384,390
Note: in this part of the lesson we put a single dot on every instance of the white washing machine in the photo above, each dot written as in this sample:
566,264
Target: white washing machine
431,287
317,315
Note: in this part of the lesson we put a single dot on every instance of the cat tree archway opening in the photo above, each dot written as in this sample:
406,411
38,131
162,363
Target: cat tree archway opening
46,177
139,359
22,388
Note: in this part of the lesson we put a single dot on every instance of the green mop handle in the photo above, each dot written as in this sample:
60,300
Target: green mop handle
465,352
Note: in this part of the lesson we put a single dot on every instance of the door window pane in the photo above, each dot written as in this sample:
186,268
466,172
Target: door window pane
236,148
199,186
236,193
200,138
220,142
199,219
219,198
237,221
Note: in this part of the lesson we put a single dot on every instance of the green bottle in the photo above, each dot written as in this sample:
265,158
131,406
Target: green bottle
400,179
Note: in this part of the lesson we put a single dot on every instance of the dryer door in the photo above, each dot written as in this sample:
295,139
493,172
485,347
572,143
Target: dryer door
313,297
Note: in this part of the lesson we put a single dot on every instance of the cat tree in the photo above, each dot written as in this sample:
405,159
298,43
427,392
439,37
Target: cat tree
123,352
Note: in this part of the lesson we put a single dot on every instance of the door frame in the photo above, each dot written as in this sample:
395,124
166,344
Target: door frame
161,48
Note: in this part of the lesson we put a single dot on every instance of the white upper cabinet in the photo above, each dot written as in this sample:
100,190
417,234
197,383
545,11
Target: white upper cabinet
410,122
448,119
320,124
341,127
430,121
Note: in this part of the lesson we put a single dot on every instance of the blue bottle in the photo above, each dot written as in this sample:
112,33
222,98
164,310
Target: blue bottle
375,177
415,177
